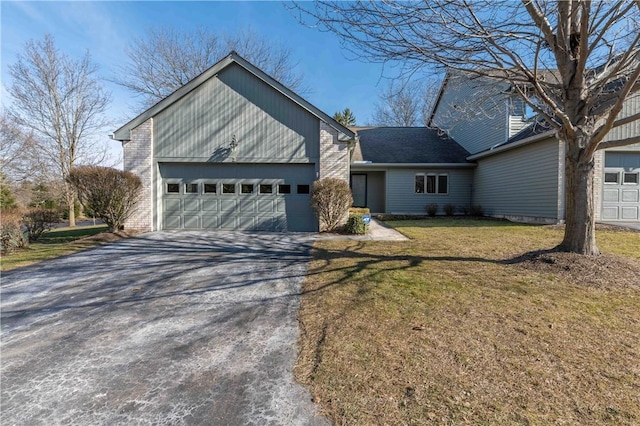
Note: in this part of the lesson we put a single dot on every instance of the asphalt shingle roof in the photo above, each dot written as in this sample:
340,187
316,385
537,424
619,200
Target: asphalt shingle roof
407,145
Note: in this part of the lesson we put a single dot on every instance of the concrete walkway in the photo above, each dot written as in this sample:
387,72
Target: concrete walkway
377,231
167,328
631,225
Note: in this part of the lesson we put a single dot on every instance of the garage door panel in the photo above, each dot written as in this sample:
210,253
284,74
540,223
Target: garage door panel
210,222
191,221
629,213
265,224
210,205
266,206
610,195
228,206
245,222
228,221
172,205
247,206
629,196
191,205
171,221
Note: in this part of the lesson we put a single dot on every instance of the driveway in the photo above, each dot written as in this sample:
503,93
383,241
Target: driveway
165,328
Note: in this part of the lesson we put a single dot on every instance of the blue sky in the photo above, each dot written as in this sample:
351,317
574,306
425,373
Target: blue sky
106,28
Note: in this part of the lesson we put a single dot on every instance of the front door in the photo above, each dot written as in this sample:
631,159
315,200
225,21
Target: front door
359,190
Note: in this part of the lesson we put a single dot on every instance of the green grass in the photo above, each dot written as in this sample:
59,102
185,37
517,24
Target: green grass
440,330
54,243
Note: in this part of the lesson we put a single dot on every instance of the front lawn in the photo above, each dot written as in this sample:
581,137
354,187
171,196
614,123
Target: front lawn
54,243
453,327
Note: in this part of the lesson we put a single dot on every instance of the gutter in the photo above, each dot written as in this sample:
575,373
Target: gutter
527,141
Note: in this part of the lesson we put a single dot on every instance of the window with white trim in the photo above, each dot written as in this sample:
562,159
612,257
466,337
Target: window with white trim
630,178
190,188
431,183
611,177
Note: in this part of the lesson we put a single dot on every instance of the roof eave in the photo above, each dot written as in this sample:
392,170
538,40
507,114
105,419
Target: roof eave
367,165
507,147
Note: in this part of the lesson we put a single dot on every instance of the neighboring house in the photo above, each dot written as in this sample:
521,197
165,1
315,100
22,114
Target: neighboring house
232,149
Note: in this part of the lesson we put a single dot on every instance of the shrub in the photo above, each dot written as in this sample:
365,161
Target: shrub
449,209
476,210
355,225
432,209
359,210
331,200
37,221
108,193
11,235
7,199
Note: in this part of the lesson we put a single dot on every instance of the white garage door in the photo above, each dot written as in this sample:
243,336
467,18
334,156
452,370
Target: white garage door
621,186
264,197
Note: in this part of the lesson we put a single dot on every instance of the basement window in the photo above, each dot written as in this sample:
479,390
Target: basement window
611,177
630,178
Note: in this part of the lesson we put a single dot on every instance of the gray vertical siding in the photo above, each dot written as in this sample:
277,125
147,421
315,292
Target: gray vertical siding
520,182
268,126
402,199
473,114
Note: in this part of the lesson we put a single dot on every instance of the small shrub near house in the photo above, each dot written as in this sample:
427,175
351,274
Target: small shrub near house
432,209
476,210
331,200
110,194
355,225
38,221
449,209
12,236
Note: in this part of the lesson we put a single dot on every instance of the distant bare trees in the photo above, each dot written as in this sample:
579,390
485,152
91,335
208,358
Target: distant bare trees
61,103
166,59
574,62
405,103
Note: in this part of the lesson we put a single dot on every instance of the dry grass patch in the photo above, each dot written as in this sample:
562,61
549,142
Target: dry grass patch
447,329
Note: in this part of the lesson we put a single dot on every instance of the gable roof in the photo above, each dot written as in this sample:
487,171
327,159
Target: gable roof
123,133
407,145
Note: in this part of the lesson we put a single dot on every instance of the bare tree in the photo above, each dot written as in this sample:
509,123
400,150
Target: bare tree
592,49
166,59
17,151
405,103
62,103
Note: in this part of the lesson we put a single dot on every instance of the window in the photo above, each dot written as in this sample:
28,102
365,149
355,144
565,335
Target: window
173,188
210,188
190,188
611,177
265,189
284,189
630,178
443,184
303,189
228,188
419,184
431,184
246,188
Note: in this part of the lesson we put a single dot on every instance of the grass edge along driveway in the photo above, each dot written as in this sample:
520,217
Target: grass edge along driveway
440,330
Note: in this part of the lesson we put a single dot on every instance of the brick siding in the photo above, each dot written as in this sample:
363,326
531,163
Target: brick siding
138,159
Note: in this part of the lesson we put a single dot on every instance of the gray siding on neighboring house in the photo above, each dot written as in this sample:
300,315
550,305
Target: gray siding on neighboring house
402,198
631,106
522,182
268,126
473,115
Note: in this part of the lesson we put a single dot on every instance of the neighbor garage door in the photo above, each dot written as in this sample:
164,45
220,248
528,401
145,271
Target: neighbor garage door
621,187
266,197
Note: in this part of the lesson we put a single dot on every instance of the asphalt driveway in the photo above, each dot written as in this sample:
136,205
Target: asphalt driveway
165,328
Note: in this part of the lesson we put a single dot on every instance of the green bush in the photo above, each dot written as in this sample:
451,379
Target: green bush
37,221
331,200
11,235
355,225
359,210
432,209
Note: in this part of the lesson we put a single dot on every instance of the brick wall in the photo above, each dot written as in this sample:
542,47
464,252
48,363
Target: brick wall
138,159
334,155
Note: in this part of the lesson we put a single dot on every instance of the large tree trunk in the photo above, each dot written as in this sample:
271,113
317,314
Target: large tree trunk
579,234
71,200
